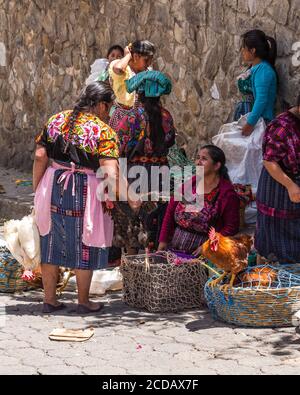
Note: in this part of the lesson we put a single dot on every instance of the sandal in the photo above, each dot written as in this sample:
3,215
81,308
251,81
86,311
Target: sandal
82,309
49,308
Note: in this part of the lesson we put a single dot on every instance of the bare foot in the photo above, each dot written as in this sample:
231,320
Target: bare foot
93,306
90,307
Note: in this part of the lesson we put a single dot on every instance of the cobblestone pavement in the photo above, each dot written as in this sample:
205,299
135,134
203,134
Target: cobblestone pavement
129,341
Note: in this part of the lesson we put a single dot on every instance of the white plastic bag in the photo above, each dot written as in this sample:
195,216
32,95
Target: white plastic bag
105,280
97,68
102,281
243,154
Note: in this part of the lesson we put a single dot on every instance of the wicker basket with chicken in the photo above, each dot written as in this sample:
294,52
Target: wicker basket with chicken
263,296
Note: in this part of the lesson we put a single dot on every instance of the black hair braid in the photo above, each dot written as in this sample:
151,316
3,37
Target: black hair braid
91,95
79,107
153,109
224,173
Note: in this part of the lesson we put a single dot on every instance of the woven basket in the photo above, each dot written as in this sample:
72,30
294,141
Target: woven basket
10,273
162,287
251,307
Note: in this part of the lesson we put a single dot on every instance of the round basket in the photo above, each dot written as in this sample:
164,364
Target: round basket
257,307
10,273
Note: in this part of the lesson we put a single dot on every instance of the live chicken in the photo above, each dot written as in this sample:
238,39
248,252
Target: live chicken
227,253
23,241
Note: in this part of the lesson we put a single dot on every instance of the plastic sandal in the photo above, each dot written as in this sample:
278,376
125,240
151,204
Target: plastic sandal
49,308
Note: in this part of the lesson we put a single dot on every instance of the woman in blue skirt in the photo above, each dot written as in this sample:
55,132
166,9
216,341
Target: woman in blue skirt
278,195
75,228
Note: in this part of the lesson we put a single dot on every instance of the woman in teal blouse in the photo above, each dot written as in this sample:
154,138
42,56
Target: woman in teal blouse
260,51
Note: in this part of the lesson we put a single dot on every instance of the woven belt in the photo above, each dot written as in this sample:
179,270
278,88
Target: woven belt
146,159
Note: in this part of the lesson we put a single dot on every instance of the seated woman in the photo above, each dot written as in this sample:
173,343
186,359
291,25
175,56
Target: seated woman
278,194
186,231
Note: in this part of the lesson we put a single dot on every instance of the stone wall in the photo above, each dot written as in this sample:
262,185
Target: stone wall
46,48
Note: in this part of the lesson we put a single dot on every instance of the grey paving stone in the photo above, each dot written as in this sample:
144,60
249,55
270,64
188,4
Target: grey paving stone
129,341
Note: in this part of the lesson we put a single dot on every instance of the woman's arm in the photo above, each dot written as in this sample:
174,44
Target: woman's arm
279,175
231,216
168,225
117,182
39,166
262,82
120,66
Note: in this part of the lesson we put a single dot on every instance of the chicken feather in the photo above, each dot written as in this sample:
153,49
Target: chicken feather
228,253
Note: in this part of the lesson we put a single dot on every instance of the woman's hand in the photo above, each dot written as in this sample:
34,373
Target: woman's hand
127,51
198,251
294,193
247,130
162,246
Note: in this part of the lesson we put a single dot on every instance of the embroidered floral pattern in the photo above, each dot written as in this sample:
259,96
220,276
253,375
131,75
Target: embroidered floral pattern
199,221
90,134
281,142
133,127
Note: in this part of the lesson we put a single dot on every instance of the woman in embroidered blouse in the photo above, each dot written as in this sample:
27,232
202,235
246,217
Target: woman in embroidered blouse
278,195
75,230
260,51
185,231
145,135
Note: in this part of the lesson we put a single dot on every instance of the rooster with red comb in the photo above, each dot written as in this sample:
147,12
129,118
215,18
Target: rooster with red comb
227,253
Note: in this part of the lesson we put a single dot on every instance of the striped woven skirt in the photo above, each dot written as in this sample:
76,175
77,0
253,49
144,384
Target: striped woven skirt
63,246
278,222
186,241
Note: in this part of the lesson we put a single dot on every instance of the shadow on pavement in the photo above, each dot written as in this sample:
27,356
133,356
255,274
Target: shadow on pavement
115,311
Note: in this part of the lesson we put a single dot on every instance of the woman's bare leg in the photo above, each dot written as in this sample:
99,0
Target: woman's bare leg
84,278
50,277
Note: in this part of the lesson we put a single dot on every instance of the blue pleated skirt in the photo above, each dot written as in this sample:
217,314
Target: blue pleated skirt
277,237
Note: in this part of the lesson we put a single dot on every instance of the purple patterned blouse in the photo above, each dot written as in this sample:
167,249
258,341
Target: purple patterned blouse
282,142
